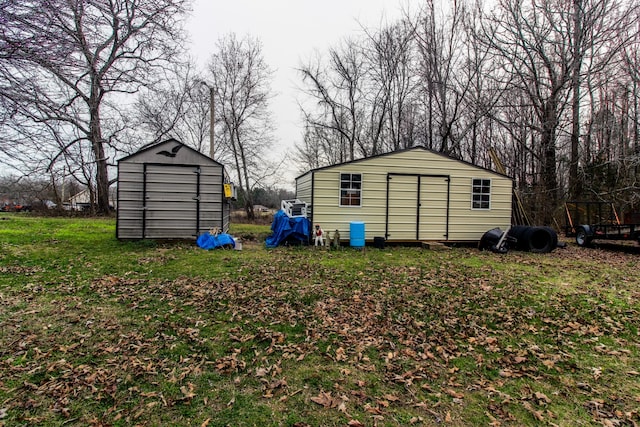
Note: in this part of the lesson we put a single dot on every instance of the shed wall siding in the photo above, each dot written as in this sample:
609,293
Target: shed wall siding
465,223
304,188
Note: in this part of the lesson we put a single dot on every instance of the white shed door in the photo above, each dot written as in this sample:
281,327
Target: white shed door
433,204
417,207
402,207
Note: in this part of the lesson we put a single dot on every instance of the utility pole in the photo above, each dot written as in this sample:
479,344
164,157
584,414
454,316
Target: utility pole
212,118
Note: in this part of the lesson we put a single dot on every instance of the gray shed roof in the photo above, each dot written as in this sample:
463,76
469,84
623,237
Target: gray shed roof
167,152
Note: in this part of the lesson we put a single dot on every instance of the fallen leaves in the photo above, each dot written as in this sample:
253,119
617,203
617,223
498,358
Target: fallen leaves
427,340
187,392
536,413
328,401
454,394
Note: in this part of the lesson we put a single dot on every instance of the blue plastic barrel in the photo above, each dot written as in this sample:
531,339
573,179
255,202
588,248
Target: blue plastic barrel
356,234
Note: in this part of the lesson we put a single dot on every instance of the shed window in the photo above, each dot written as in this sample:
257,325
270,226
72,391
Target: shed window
350,189
481,194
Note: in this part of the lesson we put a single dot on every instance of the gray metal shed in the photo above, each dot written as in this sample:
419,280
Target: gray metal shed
170,191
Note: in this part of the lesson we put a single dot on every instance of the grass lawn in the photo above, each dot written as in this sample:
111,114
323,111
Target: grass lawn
97,332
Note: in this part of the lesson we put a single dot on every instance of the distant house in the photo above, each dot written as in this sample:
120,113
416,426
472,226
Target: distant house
170,191
80,201
409,195
260,208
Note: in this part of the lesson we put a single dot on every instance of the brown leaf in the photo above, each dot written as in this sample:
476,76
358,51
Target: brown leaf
454,393
541,397
355,423
549,363
384,403
341,355
187,391
205,423
597,373
278,384
342,407
537,414
373,409
506,373
326,400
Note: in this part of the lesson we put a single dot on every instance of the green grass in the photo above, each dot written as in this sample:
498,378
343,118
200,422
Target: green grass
94,331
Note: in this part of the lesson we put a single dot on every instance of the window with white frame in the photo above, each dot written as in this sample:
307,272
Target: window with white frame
350,189
481,194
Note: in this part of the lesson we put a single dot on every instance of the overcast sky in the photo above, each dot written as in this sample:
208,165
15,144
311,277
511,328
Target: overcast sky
290,31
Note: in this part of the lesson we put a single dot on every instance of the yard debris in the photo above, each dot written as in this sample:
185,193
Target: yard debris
426,339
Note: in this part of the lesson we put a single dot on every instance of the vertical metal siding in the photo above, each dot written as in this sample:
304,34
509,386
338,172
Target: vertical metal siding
168,201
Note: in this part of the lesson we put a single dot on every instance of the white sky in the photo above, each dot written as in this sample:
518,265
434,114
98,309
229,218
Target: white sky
290,32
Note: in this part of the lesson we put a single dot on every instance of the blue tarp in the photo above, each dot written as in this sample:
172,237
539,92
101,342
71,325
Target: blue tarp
284,228
209,241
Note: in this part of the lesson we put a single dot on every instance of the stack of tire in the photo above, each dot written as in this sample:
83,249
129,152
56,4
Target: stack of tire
524,238
533,239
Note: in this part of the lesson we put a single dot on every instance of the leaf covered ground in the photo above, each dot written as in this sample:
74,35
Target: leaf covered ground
104,333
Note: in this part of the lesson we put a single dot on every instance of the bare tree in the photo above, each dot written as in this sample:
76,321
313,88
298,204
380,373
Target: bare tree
532,40
363,96
602,29
66,64
241,80
441,42
390,68
179,107
337,90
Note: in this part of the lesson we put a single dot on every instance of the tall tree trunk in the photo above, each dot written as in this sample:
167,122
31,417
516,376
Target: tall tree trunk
97,147
248,197
575,187
548,167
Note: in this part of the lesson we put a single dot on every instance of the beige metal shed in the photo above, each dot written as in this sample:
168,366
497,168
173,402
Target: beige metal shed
170,191
409,195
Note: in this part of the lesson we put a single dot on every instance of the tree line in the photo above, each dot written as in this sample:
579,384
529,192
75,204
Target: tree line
550,87
84,83
547,89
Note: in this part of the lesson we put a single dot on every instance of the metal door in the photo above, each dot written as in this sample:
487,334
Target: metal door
417,207
171,201
434,208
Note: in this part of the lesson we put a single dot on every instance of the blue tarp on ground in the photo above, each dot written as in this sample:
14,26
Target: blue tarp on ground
284,228
209,241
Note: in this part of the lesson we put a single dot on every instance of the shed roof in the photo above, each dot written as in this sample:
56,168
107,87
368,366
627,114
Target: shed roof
158,145
416,148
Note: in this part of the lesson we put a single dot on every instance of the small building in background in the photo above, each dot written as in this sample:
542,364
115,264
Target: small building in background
81,201
406,196
170,191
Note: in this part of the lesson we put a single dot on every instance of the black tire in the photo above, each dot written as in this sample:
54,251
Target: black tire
582,237
534,239
554,237
489,239
518,232
541,240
